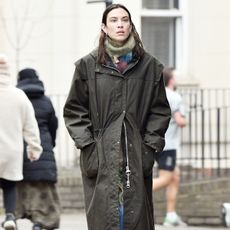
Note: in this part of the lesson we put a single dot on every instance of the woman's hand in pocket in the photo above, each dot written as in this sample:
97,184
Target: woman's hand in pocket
148,158
89,160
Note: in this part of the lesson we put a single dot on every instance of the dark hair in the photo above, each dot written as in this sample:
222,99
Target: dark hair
138,49
167,74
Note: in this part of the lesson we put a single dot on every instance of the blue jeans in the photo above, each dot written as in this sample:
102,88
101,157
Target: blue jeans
121,209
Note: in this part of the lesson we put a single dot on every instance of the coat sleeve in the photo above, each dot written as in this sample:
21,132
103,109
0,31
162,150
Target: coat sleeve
76,111
53,124
31,130
159,117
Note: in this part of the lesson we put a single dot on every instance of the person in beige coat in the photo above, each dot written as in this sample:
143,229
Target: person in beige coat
17,122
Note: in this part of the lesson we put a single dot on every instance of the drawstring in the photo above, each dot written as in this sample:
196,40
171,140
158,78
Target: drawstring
127,170
96,98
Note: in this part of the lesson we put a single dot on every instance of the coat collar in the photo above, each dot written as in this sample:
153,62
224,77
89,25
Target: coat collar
108,69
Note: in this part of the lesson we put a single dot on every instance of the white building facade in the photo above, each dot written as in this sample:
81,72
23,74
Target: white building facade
50,35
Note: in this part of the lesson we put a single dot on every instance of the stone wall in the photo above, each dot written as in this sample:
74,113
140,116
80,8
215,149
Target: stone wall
71,192
199,203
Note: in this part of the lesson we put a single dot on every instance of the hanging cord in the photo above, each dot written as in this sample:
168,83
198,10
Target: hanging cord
95,87
127,171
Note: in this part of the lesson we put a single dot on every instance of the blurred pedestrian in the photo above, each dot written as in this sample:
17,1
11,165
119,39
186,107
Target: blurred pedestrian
169,173
37,194
17,122
117,114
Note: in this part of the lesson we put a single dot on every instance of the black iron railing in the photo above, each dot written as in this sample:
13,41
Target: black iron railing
205,142
205,98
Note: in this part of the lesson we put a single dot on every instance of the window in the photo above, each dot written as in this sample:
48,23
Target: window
161,30
160,4
159,38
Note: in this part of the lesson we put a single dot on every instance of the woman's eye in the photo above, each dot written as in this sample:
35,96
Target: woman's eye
126,20
113,20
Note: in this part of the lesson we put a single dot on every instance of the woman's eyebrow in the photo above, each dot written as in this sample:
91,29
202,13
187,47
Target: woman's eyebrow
117,17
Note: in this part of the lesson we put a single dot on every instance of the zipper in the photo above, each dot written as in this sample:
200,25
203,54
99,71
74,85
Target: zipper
127,169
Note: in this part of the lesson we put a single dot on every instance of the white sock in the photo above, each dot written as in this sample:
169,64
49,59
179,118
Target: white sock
171,215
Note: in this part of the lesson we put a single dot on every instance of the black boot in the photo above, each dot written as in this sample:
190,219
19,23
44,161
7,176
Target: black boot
9,222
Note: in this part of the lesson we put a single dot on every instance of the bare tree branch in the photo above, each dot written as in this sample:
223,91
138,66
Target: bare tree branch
23,26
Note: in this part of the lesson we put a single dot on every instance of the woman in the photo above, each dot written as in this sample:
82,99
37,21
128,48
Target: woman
117,114
37,195
17,122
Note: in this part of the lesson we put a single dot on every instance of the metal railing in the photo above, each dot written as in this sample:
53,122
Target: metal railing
205,97
205,142
66,154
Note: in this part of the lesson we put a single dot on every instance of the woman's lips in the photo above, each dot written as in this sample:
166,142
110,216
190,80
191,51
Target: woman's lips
120,32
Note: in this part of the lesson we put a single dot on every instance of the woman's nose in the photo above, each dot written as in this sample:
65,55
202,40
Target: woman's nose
120,24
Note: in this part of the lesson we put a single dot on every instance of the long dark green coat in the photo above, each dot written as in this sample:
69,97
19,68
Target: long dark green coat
100,101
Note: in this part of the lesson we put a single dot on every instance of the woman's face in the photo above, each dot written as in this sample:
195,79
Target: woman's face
118,26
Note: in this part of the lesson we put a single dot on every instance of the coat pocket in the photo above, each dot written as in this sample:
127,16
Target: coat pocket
89,160
148,158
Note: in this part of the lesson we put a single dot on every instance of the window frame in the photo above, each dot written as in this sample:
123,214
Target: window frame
180,16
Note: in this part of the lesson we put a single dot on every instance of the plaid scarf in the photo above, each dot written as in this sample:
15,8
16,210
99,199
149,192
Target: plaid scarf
123,61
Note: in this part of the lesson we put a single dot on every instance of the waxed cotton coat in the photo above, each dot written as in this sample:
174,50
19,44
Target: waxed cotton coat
116,117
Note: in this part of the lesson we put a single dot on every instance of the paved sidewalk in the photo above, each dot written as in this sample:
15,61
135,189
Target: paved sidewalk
77,221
